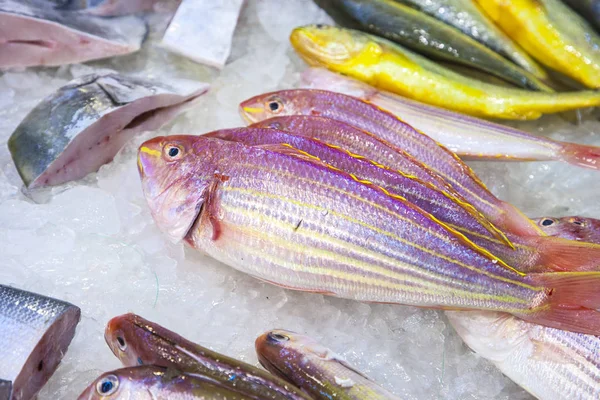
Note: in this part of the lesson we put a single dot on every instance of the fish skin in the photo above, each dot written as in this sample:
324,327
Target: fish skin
469,137
392,130
389,66
552,33
54,37
309,227
426,35
314,368
467,17
573,228
44,327
156,383
93,115
589,9
106,8
152,344
551,364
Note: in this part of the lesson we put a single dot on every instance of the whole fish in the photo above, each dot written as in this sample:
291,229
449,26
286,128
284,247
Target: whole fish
301,224
156,383
34,35
589,9
469,137
35,332
389,66
84,124
551,364
354,151
426,35
469,19
137,341
552,33
317,370
572,228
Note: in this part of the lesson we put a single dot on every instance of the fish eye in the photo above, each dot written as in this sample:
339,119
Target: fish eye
547,222
275,105
320,26
108,385
121,342
173,152
277,337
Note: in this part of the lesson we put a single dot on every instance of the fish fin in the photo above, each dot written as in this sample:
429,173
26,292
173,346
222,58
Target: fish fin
571,301
548,352
558,254
581,155
514,221
316,291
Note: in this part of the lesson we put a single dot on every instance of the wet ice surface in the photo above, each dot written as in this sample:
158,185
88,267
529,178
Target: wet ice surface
94,243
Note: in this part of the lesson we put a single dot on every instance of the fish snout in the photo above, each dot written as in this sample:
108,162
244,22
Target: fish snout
149,153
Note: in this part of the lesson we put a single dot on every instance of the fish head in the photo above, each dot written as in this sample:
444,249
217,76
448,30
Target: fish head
285,103
126,383
332,47
572,228
175,179
283,352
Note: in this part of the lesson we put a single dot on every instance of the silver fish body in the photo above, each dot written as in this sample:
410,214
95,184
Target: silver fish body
551,364
84,124
35,332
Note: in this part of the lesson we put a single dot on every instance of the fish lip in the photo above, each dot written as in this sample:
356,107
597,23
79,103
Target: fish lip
278,372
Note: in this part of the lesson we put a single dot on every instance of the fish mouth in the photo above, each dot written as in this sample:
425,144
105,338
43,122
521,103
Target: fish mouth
274,369
316,50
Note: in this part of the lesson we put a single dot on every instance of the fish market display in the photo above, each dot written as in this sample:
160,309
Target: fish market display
85,123
572,228
427,35
279,215
353,151
35,332
106,7
389,66
469,137
552,33
136,341
317,370
589,9
156,383
34,35
551,364
208,42
469,19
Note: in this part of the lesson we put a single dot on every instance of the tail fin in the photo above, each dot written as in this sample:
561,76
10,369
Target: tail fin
581,155
571,301
563,255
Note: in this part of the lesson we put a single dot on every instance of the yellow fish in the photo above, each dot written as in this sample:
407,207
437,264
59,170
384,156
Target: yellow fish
552,33
391,67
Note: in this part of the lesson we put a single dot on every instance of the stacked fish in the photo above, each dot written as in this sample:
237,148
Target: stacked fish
330,194
496,37
160,364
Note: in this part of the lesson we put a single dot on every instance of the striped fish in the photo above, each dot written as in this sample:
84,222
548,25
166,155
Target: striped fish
303,225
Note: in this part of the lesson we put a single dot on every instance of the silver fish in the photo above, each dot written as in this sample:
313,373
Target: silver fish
35,332
31,34
84,124
551,364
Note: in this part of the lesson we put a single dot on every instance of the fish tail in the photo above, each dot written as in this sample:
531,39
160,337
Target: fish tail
571,301
581,155
562,255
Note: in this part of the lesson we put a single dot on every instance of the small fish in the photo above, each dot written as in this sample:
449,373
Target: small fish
389,66
469,137
469,19
31,35
35,332
317,370
136,341
551,364
84,124
303,225
426,35
156,383
589,9
572,228
552,33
